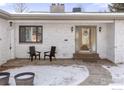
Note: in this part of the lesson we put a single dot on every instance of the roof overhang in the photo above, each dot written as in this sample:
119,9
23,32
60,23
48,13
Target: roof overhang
68,16
4,14
62,16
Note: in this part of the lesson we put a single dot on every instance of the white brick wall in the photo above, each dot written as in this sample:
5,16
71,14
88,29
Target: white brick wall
54,34
4,41
101,41
111,41
119,41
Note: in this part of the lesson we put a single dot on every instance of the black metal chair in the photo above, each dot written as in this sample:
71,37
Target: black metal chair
33,53
50,53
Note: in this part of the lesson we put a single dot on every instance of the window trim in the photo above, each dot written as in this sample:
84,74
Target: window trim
25,42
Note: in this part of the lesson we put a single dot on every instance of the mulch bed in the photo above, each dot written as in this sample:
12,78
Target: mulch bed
2,68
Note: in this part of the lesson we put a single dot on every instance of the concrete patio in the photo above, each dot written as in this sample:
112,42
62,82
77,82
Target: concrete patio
98,74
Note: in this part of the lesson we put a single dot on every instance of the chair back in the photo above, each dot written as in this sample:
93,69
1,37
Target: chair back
32,50
53,51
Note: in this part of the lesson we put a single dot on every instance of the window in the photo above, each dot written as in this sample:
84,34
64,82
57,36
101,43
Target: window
30,34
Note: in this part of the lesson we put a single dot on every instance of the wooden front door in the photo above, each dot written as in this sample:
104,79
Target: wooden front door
85,39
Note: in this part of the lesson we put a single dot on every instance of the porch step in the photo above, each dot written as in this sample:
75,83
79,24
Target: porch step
86,56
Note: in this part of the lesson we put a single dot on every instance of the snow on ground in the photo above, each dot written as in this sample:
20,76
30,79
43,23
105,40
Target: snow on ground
53,75
117,73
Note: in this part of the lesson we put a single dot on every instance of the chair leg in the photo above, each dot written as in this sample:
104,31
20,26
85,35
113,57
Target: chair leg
39,56
44,57
31,58
50,58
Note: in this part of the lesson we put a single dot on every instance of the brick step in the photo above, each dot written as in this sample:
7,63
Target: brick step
87,56
90,60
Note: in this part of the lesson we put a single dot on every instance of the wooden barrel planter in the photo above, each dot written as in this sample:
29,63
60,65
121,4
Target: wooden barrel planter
26,78
4,78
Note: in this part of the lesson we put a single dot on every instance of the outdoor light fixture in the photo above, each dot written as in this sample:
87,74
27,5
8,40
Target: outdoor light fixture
100,28
72,29
10,24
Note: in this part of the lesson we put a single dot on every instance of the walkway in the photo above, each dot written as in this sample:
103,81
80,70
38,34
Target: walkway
98,75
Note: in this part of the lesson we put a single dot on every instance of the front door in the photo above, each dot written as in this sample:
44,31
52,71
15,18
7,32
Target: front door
85,38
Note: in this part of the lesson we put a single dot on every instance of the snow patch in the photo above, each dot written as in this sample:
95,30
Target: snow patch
53,75
117,73
3,76
24,76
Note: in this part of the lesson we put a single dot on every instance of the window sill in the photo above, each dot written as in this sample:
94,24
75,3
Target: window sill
30,43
